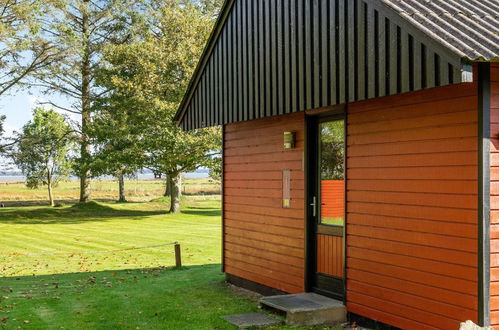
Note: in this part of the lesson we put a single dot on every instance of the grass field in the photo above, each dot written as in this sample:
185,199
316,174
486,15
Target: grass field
132,289
16,193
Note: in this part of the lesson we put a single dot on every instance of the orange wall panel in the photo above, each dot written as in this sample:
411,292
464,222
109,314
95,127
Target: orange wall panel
264,242
494,192
412,208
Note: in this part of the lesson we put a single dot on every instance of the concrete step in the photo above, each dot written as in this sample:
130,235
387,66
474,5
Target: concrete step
306,309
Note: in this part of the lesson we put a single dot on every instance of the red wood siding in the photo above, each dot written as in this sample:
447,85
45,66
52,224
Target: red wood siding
412,208
264,242
333,198
494,198
330,255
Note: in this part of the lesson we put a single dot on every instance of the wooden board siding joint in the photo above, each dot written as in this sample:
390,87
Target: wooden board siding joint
484,194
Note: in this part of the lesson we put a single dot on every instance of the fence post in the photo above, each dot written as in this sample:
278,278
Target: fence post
178,257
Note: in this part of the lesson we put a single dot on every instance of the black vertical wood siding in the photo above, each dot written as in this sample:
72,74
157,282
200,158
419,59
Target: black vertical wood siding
274,57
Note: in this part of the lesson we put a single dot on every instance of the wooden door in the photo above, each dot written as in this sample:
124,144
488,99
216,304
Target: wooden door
327,206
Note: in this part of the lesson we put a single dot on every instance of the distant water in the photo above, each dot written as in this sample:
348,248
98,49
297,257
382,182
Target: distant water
192,175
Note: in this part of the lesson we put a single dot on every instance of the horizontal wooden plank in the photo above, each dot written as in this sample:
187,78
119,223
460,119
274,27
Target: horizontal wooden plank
276,275
439,315
296,252
414,173
390,317
415,225
290,156
268,229
412,110
467,187
265,237
277,121
294,212
425,239
436,294
420,134
266,219
408,122
257,251
262,279
266,193
463,258
407,198
415,212
412,262
274,266
447,93
262,184
416,160
263,176
439,281
408,147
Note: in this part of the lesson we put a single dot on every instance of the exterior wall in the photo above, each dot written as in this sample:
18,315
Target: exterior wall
264,242
494,198
412,208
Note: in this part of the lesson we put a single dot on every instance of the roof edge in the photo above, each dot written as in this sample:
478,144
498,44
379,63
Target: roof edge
203,60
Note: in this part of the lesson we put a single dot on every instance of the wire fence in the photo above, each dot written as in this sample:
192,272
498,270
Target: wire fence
90,252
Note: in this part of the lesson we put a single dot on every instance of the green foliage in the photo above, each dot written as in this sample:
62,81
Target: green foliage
332,150
79,30
147,79
42,151
23,51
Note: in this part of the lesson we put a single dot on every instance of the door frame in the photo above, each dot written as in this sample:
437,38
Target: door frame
312,120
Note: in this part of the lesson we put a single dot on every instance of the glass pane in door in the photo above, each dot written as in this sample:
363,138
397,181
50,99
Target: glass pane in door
332,172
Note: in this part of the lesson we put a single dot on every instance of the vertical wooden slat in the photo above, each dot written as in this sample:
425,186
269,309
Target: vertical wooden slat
324,48
371,65
294,55
316,44
351,28
280,58
230,71
333,52
273,55
343,61
256,69
250,59
300,44
268,57
308,31
261,58
393,69
361,90
430,68
240,61
404,65
286,84
381,56
417,65
243,27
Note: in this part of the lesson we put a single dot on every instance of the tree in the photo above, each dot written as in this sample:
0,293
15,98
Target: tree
79,30
42,151
116,142
22,49
152,74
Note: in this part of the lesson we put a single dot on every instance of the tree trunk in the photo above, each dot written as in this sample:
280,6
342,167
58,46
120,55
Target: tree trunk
49,188
121,183
85,112
168,187
176,192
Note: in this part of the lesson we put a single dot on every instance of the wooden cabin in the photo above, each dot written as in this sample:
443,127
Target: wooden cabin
360,153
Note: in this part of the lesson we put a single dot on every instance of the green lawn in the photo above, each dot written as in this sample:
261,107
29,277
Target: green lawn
134,289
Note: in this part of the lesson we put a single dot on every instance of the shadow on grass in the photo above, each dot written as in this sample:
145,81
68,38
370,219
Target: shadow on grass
90,212
153,298
203,211
77,213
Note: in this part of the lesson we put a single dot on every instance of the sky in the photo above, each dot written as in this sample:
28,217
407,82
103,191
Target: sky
19,105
